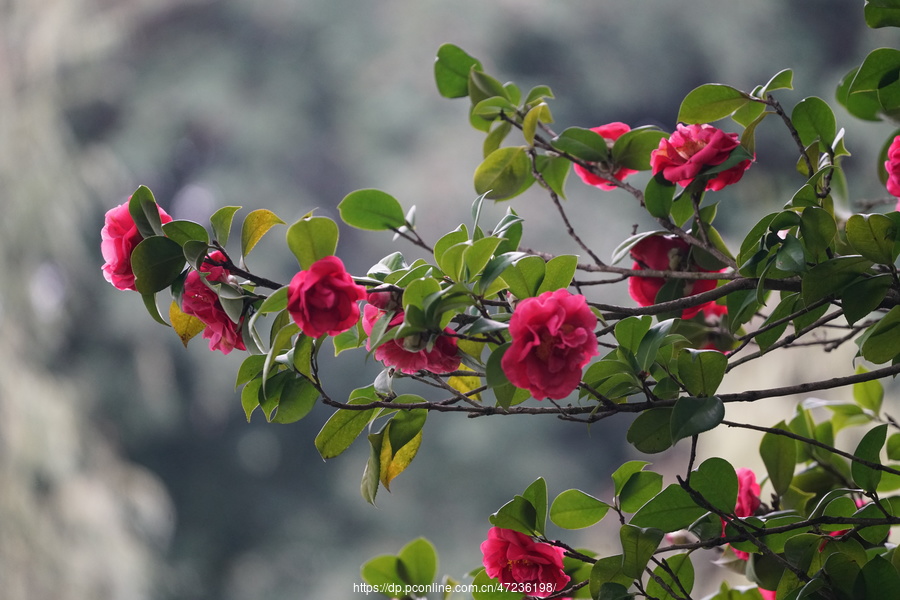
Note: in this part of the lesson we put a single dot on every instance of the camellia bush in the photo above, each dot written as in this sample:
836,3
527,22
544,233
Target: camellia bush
483,326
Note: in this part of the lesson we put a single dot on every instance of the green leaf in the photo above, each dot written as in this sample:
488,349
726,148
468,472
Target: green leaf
485,588
632,149
555,170
779,454
525,276
832,276
298,397
782,80
536,493
418,562
368,486
869,448
156,262
185,231
504,173
863,105
345,425
651,431
540,113
817,227
814,120
372,210
582,143
883,342
621,475
639,489
692,416
701,371
873,236
574,509
312,238
862,297
878,575
630,331
451,71
518,514
153,309
383,572
658,197
256,225
558,273
145,213
716,481
221,223
868,394
677,573
711,102
638,546
670,510
882,13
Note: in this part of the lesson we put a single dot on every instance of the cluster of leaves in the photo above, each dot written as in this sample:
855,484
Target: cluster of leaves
826,271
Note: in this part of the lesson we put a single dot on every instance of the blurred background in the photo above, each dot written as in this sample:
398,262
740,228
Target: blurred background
127,468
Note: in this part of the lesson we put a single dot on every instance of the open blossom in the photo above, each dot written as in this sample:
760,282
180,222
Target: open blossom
324,298
513,558
747,501
693,148
118,238
610,132
892,165
410,354
666,253
202,302
552,340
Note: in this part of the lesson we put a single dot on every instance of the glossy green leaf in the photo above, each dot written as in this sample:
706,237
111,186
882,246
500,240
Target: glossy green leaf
582,143
311,239
651,431
632,149
701,371
451,71
658,196
863,105
868,394
382,571
185,231
344,426
670,510
540,113
817,228
873,236
418,562
145,213
630,331
638,546
813,119
692,416
883,340
639,489
503,173
558,273
878,575
156,262
518,514
574,509
536,493
715,480
368,486
869,449
485,588
621,475
221,223
555,171
782,80
677,575
525,276
298,397
779,455
882,13
710,102
372,210
832,276
153,309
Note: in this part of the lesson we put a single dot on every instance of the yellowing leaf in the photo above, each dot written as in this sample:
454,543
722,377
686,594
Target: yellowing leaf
392,464
256,225
185,325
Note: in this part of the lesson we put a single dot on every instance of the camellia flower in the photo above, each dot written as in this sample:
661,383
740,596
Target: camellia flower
410,354
892,165
665,253
514,559
610,132
693,148
323,299
200,301
118,238
552,340
747,501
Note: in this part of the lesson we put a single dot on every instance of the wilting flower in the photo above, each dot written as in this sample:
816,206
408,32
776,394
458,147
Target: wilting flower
666,253
691,149
610,132
200,301
324,298
552,340
527,566
118,238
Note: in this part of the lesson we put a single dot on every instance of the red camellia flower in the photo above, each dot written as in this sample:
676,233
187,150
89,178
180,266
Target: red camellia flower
892,165
324,298
693,148
118,238
747,501
202,302
410,354
665,253
610,132
527,566
552,340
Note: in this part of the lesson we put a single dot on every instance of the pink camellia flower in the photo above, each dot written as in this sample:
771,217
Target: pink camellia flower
693,148
747,501
892,165
323,299
202,302
410,354
552,340
610,132
665,253
516,560
118,238
767,594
